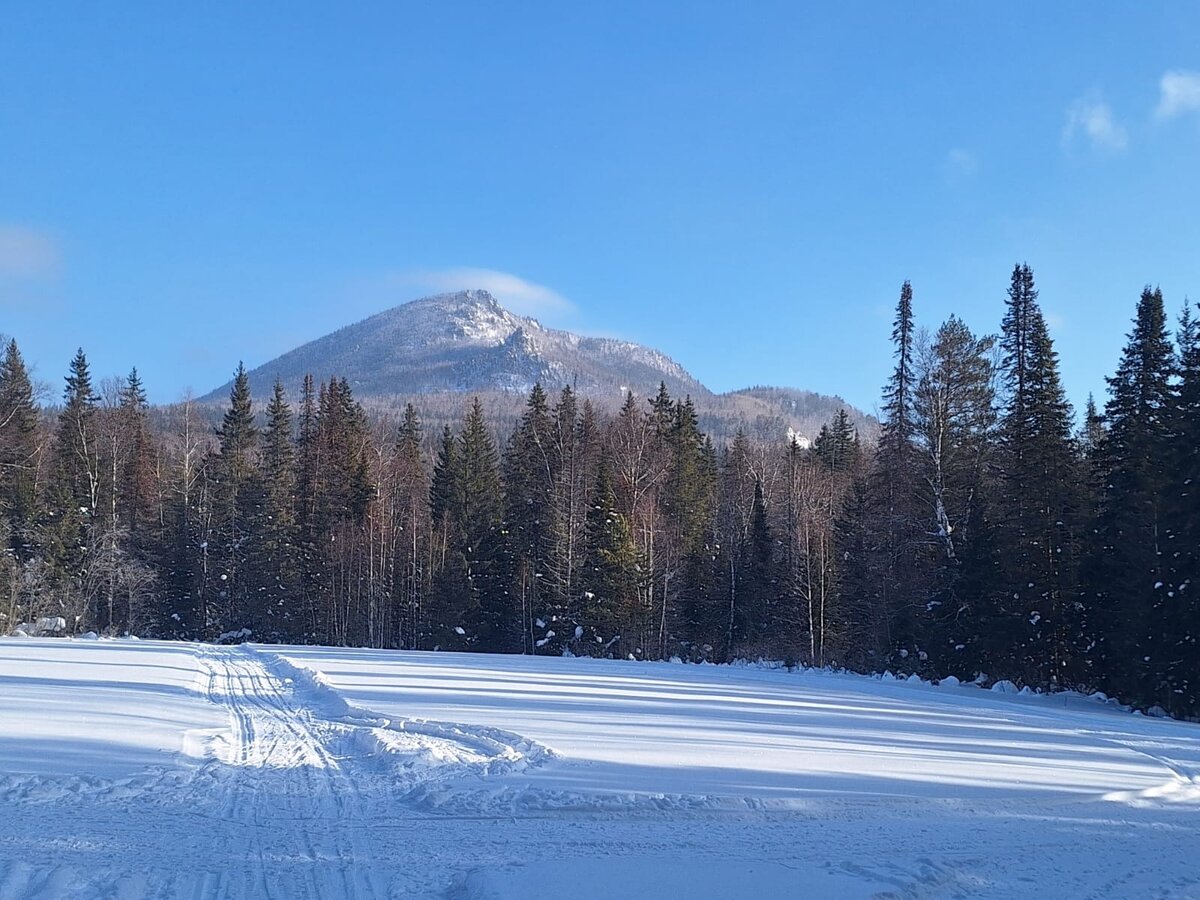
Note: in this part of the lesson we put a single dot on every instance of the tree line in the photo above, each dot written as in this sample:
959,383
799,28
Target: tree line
985,534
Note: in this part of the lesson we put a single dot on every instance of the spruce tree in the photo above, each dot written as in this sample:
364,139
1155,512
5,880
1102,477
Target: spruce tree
855,534
897,395
443,492
183,551
688,499
757,584
236,506
1041,501
837,444
530,511
18,453
472,600
735,512
566,469
1125,575
411,502
308,530
1091,435
662,410
451,611
74,484
136,491
1181,517
483,541
609,573
342,497
277,578
893,492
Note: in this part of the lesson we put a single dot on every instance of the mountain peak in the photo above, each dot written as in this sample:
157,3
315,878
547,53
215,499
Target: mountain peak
467,342
456,299
463,342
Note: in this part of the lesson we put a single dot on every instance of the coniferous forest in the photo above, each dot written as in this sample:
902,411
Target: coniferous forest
994,530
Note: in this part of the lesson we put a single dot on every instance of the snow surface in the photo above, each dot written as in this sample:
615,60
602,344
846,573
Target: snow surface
149,769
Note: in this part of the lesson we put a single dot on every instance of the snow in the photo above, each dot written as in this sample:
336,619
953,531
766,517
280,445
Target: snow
154,769
48,625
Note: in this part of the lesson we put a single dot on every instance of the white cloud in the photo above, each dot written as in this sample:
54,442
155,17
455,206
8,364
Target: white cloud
26,253
1092,118
1179,93
523,297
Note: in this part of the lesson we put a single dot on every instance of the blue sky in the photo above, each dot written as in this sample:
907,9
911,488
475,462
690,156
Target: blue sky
744,185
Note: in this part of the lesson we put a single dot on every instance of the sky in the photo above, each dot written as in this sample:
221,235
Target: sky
742,185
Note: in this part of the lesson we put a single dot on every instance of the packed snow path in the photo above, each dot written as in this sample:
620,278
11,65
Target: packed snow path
144,769
290,800
276,809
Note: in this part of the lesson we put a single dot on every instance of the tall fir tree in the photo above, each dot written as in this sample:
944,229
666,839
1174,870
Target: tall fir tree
18,454
472,594
1125,572
73,493
1042,508
182,553
529,513
308,529
757,583
411,563
449,610
855,532
566,469
688,499
136,499
484,544
237,498
898,593
837,444
610,571
1181,527
1091,434
277,578
343,494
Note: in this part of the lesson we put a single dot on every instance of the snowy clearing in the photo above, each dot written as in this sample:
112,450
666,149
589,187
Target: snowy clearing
145,769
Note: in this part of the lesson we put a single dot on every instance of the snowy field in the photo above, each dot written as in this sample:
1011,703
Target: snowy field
143,769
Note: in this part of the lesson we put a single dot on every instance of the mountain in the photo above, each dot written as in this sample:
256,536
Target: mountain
466,342
435,350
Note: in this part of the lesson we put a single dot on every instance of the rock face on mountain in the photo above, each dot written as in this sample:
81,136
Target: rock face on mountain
467,342
435,350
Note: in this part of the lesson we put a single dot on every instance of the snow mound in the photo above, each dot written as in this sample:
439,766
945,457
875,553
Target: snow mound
408,745
1176,792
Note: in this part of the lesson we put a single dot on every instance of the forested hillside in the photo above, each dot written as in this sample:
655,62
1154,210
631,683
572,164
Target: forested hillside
988,531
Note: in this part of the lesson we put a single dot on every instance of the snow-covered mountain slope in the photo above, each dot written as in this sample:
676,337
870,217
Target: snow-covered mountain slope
467,342
142,769
436,350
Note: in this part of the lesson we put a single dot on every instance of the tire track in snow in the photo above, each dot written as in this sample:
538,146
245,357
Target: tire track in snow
299,766
290,797
299,795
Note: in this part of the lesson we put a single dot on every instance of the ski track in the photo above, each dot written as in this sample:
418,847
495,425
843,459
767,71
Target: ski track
303,795
295,798
280,803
